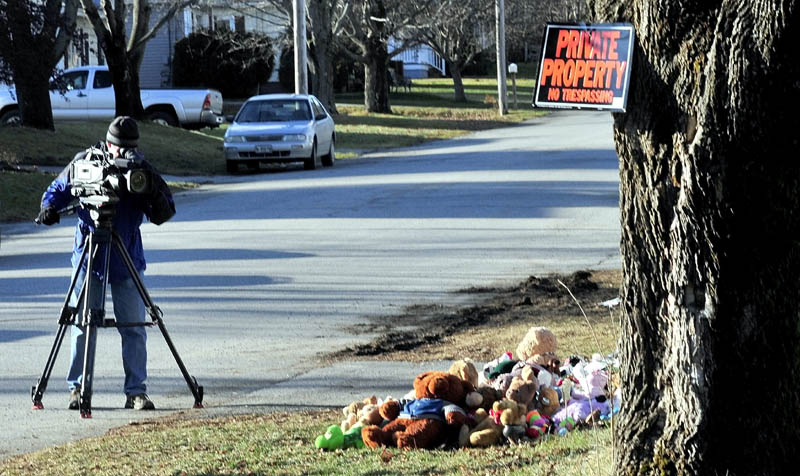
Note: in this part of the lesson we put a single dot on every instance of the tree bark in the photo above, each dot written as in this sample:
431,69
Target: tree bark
321,52
23,50
458,84
710,220
33,93
376,79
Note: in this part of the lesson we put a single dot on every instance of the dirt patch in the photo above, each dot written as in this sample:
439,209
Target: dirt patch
496,321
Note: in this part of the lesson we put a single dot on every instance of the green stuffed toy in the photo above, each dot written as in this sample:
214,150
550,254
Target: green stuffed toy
335,438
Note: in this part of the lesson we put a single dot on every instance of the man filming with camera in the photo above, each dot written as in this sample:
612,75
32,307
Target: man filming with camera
94,176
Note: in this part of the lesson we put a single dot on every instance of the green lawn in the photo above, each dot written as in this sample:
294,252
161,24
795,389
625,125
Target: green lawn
282,444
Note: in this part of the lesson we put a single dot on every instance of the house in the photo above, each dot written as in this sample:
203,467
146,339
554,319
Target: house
419,61
156,68
252,16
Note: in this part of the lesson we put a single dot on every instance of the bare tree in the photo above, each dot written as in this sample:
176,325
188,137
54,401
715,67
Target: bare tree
457,31
525,21
710,193
124,54
33,37
367,26
322,40
320,18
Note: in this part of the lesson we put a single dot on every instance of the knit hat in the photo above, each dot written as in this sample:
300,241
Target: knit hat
123,132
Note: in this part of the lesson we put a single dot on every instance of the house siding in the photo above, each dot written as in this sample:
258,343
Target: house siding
156,69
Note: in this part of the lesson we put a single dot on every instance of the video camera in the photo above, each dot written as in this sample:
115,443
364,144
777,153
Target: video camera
101,175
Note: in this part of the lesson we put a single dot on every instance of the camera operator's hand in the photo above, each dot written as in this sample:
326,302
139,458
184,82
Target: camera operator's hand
48,216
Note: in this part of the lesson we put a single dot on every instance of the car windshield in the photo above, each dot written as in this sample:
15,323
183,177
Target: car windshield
275,110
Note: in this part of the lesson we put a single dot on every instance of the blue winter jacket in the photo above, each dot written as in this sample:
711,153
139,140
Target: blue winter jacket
129,213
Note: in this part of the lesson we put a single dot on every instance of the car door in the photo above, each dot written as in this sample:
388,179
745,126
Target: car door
323,124
68,95
101,104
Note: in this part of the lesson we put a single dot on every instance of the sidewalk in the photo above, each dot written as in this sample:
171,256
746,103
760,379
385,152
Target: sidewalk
334,387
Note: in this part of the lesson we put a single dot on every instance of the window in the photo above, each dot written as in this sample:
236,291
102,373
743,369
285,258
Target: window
102,79
222,25
319,111
239,24
70,81
275,110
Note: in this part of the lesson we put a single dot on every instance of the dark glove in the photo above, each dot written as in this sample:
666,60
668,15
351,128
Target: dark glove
48,216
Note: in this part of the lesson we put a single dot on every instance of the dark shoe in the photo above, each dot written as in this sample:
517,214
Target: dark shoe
75,398
139,402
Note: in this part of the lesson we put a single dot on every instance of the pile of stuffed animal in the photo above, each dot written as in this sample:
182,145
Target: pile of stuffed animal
509,401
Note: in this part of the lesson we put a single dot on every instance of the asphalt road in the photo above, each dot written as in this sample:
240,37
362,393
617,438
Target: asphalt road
257,274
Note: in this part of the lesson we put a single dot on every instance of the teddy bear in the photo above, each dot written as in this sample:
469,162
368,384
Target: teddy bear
486,432
547,401
489,395
512,417
364,412
523,391
538,341
426,421
465,370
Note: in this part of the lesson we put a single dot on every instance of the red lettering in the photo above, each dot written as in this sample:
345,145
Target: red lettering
569,73
547,70
613,37
563,36
574,40
621,65
588,78
558,66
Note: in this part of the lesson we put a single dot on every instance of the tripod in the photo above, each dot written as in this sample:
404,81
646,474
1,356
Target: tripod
102,212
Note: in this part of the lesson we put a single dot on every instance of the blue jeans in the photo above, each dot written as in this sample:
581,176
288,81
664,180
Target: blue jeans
128,307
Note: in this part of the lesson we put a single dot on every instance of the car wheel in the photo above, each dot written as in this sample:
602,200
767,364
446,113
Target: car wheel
163,118
328,160
312,162
231,166
10,118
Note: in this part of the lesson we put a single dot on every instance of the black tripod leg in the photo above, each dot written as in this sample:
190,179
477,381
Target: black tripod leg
155,315
91,319
64,321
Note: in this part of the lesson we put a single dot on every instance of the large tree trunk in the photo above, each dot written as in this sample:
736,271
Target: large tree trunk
125,78
122,55
710,214
26,50
33,91
458,84
376,79
319,11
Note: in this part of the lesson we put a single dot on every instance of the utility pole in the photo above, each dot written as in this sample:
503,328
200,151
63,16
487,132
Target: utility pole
500,32
300,52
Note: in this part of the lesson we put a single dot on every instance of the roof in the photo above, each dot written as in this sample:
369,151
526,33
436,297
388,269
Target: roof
279,96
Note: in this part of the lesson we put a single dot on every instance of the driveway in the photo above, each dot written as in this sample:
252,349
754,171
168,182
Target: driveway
258,274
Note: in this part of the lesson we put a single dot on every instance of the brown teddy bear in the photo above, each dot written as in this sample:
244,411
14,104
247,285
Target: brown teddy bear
523,392
537,341
547,401
425,421
362,412
486,433
465,370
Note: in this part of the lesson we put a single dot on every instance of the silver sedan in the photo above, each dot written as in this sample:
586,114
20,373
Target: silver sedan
281,128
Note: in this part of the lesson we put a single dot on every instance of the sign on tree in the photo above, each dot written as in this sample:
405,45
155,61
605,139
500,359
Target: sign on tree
585,67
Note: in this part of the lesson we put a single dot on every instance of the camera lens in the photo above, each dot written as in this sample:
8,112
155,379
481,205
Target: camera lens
138,181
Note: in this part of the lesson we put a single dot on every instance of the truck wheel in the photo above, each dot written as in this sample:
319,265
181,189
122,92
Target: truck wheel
231,166
163,118
10,118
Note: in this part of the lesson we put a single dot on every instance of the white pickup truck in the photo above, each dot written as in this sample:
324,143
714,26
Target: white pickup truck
90,95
